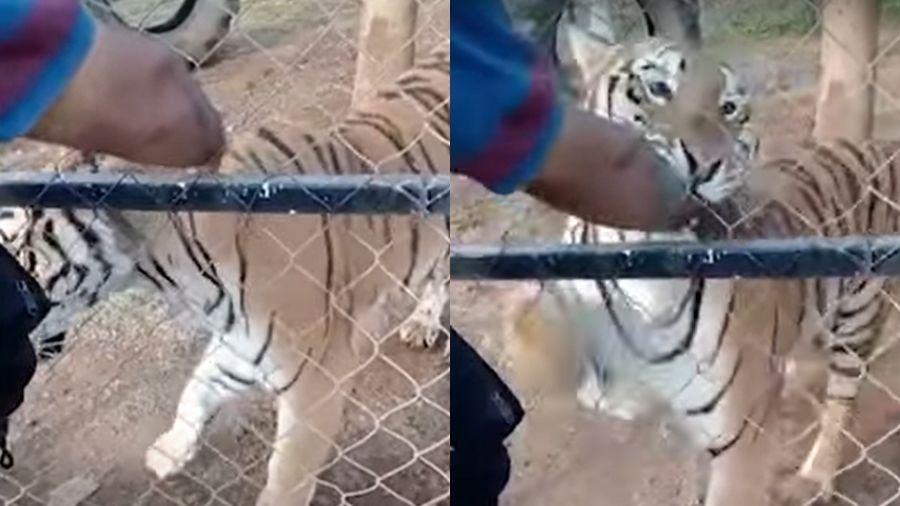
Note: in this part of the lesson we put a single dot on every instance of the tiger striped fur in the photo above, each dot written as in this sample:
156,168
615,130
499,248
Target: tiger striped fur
718,365
832,190
295,303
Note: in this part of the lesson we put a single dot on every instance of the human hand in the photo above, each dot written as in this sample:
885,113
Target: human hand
135,99
606,173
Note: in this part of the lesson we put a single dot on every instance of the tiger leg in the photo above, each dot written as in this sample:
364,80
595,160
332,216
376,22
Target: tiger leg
850,345
310,409
739,475
308,422
740,438
220,376
742,460
824,459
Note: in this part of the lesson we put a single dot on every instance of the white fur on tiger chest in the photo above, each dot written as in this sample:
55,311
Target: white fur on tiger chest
618,381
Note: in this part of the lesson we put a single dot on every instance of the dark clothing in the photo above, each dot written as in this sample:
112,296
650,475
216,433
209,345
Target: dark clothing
22,307
484,412
505,96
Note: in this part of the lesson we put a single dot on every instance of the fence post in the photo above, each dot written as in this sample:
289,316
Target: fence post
846,96
385,45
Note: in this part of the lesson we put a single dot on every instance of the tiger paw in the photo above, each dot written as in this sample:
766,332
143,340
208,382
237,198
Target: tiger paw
419,333
423,328
171,452
423,335
590,395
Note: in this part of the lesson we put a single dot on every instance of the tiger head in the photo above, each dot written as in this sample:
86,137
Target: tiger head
692,109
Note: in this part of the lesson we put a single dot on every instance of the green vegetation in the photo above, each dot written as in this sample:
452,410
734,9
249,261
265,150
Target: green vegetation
760,20
538,13
891,9
722,19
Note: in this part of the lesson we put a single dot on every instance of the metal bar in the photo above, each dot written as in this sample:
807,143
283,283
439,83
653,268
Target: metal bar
382,194
762,258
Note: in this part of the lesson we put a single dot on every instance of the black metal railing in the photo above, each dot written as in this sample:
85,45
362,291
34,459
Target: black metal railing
392,194
758,258
217,193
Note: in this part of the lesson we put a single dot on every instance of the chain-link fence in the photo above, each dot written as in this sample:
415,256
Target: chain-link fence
269,345
619,352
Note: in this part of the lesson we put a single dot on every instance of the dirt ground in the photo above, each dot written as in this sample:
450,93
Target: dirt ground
90,416
564,456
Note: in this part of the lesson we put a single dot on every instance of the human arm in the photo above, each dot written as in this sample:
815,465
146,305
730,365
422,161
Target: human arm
605,173
511,132
70,81
65,80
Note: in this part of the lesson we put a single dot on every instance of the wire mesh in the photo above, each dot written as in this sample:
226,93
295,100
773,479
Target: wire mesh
275,262
625,352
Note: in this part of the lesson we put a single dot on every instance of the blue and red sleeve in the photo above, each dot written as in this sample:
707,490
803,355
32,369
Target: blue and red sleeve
506,112
42,45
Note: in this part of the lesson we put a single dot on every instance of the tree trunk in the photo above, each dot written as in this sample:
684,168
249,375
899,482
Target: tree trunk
846,95
385,45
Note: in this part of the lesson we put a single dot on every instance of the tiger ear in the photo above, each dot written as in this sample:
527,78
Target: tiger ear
585,41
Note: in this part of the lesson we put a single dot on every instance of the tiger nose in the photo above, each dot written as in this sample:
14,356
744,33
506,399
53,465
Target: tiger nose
710,159
710,144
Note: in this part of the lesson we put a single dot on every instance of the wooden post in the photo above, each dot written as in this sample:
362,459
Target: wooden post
385,44
846,95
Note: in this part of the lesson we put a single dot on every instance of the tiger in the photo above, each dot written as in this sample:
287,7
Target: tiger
194,31
295,304
635,341
697,349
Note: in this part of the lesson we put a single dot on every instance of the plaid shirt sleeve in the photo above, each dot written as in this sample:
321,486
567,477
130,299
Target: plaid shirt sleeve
42,45
505,108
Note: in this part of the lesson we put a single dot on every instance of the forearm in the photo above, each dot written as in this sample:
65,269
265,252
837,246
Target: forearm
606,173
133,98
